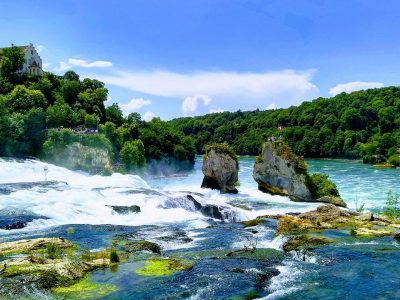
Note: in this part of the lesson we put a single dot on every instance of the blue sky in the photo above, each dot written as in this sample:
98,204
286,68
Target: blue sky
170,58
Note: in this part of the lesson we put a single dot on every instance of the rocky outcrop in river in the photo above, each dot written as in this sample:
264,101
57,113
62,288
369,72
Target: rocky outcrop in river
279,171
220,169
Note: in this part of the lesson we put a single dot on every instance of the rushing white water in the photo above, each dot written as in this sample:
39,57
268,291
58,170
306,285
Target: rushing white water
85,198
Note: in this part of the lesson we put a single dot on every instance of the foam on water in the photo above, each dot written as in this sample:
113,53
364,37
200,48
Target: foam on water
86,198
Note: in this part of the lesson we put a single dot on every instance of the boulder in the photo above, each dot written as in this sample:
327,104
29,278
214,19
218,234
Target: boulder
220,169
332,200
125,210
27,246
278,171
300,242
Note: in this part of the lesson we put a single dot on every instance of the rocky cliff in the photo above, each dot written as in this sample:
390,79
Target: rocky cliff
80,157
279,171
220,169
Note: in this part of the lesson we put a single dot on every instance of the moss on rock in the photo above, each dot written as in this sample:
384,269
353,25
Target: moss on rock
299,242
254,222
164,267
84,289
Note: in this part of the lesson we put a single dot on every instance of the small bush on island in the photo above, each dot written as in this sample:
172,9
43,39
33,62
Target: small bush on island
320,185
53,251
114,257
223,148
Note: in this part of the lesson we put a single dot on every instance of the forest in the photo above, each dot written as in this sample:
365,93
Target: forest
39,115
363,124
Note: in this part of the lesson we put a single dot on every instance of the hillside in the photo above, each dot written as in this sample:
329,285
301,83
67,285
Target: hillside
44,115
363,124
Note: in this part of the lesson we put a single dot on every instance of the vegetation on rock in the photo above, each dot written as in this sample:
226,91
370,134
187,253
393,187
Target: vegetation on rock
222,148
164,267
299,242
85,289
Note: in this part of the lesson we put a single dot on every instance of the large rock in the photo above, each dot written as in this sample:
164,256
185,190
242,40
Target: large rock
278,171
220,169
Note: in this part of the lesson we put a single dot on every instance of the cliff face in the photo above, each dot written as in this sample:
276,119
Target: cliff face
90,159
220,172
279,172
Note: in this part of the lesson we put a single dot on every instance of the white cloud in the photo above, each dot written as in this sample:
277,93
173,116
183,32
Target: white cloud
134,105
74,62
40,48
195,105
45,66
354,86
232,90
148,116
271,106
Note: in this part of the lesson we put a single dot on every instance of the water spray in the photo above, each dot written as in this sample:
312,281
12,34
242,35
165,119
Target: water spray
46,170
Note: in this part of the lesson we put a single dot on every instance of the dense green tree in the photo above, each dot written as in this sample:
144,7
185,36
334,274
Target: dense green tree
114,114
132,154
23,99
11,62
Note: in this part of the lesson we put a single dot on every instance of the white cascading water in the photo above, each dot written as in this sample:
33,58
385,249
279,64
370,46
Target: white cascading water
85,199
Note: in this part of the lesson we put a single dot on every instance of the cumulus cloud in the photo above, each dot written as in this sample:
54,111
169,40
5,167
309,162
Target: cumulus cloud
353,86
286,87
195,105
45,66
40,48
148,116
134,105
271,106
75,62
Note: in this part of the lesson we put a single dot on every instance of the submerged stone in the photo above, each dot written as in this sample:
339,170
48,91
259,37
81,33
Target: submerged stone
253,222
372,232
134,246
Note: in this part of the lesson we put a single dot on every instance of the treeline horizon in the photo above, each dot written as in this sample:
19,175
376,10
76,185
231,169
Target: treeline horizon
363,124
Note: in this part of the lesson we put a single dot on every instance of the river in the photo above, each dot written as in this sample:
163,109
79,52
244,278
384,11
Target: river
349,269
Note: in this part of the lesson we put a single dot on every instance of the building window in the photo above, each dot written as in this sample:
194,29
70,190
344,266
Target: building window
31,52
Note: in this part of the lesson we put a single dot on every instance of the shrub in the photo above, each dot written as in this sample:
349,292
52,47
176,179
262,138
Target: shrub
114,257
320,185
53,251
223,148
392,207
394,160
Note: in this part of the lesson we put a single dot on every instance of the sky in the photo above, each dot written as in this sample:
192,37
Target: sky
174,58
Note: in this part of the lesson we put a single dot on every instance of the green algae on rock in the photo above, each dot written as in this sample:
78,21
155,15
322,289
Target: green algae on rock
254,222
164,267
85,289
299,242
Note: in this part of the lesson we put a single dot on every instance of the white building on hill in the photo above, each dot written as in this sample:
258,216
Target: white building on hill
33,62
